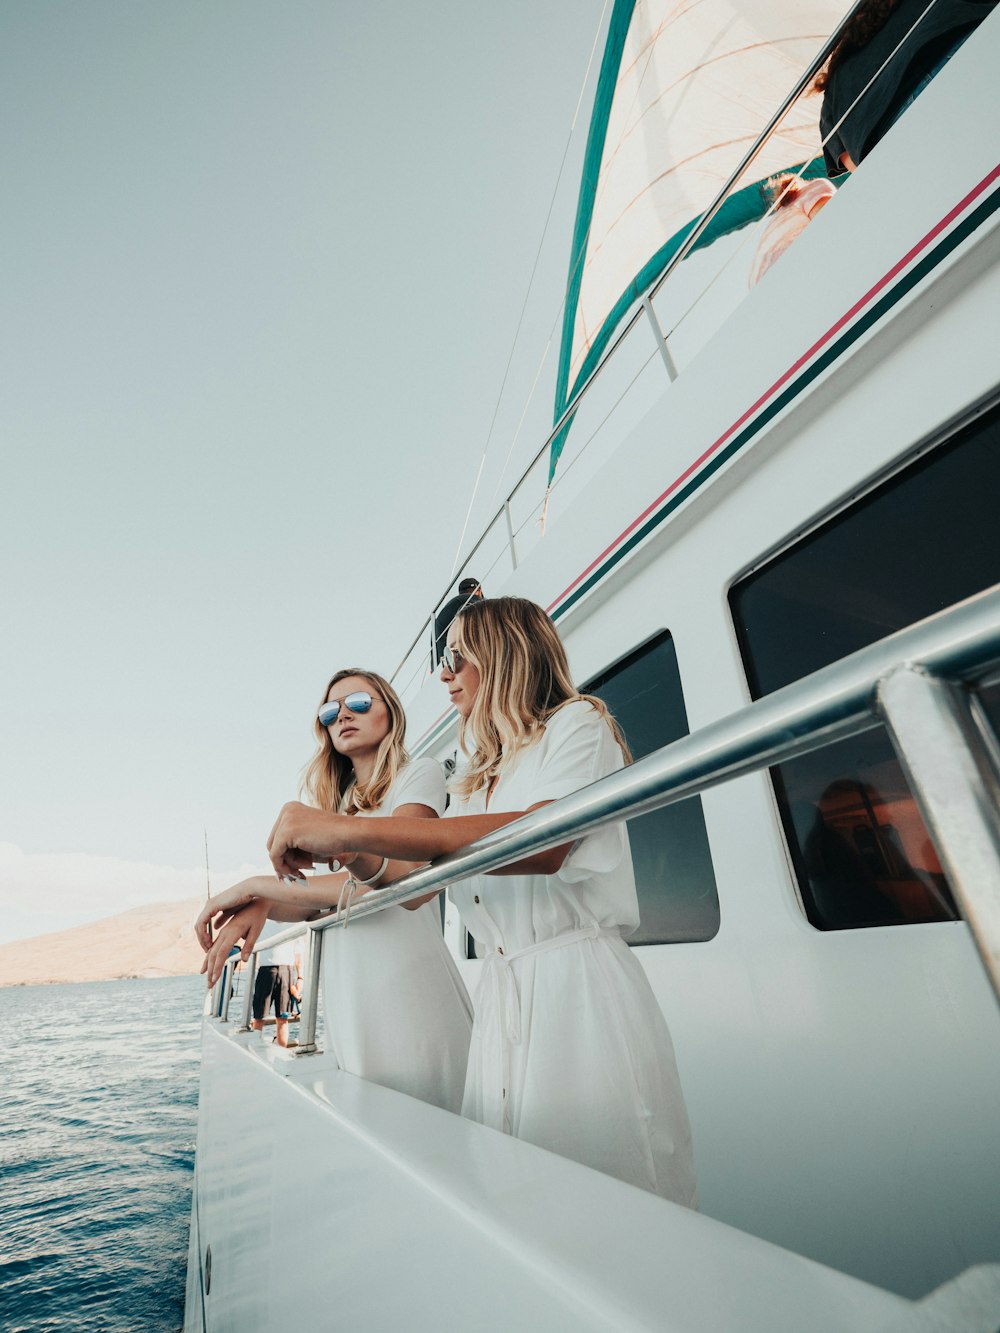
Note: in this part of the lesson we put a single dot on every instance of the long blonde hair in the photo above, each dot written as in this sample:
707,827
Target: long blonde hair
523,680
329,781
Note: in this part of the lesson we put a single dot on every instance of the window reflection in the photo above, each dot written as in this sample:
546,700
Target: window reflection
921,542
862,851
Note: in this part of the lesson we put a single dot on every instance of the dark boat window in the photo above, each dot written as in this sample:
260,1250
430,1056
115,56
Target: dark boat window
918,543
673,866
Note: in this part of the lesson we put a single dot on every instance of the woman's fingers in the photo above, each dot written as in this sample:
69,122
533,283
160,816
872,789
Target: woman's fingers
228,934
250,935
203,925
216,957
302,836
244,924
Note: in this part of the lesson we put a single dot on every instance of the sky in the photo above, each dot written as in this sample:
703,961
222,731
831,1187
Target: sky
262,267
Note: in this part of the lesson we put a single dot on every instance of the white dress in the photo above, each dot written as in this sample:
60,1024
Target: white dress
396,1010
570,1050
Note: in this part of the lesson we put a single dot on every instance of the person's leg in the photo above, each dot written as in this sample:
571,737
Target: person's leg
282,1003
262,997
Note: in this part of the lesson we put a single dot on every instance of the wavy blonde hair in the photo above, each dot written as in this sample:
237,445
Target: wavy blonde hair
329,781
523,680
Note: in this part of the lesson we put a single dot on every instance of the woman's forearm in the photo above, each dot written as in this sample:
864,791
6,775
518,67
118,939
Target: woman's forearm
303,836
422,840
286,912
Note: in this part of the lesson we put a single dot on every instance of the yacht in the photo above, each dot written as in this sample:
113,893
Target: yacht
765,523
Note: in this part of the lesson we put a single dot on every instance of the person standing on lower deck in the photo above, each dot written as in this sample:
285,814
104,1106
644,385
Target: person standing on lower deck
280,968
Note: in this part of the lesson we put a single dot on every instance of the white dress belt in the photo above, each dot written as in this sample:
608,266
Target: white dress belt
508,1002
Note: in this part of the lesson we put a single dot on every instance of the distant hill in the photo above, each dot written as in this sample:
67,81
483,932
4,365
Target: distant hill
153,941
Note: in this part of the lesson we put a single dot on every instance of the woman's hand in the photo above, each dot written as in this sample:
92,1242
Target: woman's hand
225,904
304,836
245,924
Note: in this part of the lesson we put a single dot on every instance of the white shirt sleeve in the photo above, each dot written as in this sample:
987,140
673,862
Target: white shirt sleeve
580,748
420,783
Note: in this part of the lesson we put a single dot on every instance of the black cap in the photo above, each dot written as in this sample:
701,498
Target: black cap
468,585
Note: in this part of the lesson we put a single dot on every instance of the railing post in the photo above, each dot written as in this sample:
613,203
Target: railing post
661,339
249,977
215,998
949,765
310,995
227,987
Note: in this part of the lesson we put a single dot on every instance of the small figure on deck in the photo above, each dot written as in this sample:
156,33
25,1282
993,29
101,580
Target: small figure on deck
280,968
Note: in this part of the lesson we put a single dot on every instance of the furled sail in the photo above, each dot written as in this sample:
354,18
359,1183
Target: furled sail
685,88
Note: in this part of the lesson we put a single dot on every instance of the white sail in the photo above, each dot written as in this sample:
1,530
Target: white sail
685,89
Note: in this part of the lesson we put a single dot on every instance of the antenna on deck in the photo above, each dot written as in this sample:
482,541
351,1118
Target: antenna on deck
208,878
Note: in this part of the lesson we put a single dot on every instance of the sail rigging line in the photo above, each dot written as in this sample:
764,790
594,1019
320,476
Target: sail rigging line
530,518
752,231
548,218
524,303
570,276
578,260
699,226
557,480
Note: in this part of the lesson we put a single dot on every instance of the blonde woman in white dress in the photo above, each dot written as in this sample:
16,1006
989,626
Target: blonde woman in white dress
570,1050
396,1010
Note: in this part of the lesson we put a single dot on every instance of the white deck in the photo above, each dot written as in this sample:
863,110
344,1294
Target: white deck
373,1211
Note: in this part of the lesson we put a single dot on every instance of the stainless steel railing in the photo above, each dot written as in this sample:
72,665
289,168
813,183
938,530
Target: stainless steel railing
916,682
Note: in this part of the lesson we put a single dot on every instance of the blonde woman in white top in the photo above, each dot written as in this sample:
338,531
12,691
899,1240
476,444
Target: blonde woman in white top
396,1010
570,1050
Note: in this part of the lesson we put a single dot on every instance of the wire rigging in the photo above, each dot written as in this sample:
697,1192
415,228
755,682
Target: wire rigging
524,303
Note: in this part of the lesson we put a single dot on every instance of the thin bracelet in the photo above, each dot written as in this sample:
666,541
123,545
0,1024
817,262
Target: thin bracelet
376,877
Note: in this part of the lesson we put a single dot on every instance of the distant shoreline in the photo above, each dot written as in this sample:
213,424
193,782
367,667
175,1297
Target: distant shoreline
155,941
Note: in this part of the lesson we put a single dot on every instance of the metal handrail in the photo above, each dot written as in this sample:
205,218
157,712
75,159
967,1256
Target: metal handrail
690,241
855,694
840,700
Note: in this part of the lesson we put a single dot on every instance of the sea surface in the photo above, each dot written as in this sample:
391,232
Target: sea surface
98,1117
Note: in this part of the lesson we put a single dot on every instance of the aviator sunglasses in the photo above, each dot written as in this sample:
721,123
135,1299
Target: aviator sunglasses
358,702
452,659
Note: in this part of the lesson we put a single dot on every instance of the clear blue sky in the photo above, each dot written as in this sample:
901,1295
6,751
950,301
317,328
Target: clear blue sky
261,269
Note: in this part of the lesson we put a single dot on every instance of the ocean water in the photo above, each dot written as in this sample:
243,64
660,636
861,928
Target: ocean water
99,1098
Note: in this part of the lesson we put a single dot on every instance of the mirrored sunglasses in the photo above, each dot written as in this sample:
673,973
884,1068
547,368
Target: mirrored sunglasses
358,702
452,659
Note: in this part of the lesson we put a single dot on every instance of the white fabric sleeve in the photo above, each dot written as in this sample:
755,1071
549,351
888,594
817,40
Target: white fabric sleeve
420,783
580,749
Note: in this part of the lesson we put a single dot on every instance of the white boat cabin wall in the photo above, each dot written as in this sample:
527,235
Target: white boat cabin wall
842,1058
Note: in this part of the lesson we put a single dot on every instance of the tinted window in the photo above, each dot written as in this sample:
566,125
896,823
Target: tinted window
915,545
673,865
